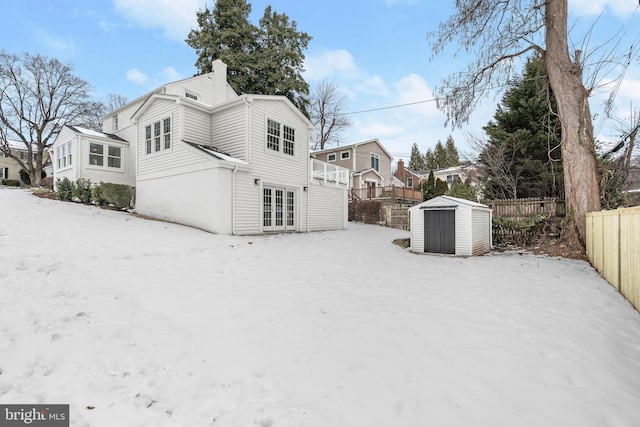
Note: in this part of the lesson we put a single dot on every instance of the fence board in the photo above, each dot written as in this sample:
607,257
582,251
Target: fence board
613,248
522,208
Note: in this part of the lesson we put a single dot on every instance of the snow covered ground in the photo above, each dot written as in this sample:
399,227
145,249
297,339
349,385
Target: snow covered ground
143,323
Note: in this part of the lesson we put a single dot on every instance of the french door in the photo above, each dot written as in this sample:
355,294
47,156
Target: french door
278,209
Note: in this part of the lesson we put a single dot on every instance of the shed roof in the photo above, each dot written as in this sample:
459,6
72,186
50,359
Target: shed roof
448,201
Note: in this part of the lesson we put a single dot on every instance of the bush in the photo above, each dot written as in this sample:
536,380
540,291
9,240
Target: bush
47,182
11,182
367,211
64,189
82,190
507,231
97,196
119,195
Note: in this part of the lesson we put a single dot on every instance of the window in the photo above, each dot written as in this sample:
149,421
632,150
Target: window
157,136
115,122
375,162
98,152
64,155
331,157
410,182
273,135
166,133
4,173
289,139
114,160
452,178
69,152
191,95
345,155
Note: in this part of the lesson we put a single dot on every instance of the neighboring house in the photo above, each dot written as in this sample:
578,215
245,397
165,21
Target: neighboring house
408,177
10,168
369,162
201,155
451,174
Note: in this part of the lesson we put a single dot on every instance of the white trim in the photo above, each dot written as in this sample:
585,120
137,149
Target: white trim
348,153
329,157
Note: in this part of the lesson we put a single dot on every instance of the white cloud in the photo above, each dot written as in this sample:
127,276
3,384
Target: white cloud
595,7
170,74
136,76
107,26
329,64
176,18
52,42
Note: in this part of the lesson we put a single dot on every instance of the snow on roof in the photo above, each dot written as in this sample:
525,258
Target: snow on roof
16,145
217,153
91,132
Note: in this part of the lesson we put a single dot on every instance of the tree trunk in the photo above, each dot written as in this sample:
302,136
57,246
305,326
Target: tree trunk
582,193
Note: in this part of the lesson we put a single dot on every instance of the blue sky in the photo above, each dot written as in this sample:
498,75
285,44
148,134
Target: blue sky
374,50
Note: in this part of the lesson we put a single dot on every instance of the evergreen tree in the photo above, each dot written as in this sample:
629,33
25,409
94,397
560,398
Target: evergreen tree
522,156
441,187
462,191
428,187
416,162
263,60
442,156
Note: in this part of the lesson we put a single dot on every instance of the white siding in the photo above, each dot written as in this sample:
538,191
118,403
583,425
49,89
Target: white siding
481,231
327,208
229,131
417,230
273,169
197,126
178,156
463,230
201,199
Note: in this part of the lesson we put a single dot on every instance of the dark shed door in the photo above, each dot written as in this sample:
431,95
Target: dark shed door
440,231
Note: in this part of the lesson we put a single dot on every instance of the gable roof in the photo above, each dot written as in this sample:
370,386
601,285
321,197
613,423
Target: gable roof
354,145
449,202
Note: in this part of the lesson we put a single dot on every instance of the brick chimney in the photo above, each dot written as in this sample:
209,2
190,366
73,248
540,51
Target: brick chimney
219,69
401,174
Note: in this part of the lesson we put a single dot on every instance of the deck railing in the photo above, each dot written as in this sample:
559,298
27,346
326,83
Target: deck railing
390,192
329,174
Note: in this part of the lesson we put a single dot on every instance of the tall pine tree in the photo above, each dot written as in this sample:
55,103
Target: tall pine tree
267,59
522,156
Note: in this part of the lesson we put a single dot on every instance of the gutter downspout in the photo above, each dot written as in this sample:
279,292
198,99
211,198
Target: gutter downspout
233,200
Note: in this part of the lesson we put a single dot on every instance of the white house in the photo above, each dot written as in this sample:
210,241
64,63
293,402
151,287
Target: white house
201,155
449,225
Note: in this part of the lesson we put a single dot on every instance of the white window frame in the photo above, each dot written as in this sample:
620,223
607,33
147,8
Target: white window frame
331,157
157,136
2,169
343,157
375,159
280,138
106,156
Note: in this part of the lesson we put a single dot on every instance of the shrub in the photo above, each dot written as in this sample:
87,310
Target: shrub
367,211
119,195
47,182
519,232
11,182
82,190
97,196
64,189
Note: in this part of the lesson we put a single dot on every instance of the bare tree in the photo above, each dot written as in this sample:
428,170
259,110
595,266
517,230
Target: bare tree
38,95
502,164
115,101
327,114
502,31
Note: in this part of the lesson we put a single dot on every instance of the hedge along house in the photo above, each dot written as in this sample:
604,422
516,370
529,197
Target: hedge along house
448,225
206,157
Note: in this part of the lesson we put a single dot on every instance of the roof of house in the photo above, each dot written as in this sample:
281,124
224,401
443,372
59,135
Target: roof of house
353,145
215,152
442,201
90,132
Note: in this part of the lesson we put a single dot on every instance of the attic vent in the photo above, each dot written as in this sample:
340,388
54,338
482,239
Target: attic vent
191,95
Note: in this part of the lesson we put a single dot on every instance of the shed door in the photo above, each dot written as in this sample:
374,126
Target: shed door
440,231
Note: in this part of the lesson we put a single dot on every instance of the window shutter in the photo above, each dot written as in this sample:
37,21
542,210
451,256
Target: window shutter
6,173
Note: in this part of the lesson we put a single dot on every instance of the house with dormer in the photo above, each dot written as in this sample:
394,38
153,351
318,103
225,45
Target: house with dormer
199,154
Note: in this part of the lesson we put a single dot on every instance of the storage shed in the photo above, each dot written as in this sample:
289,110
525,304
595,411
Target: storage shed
448,225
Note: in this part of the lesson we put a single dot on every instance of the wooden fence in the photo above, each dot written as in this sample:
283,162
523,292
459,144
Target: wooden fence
523,208
613,248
